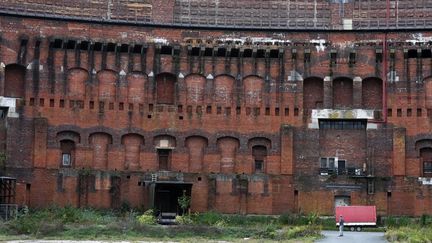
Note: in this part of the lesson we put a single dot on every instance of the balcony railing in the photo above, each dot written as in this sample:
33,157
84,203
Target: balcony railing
352,172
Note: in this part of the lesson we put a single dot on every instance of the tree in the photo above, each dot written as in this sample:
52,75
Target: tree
184,201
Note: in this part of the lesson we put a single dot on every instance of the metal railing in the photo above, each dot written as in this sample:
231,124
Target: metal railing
353,172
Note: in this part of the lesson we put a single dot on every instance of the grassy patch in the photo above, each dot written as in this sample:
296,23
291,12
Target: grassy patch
89,224
405,229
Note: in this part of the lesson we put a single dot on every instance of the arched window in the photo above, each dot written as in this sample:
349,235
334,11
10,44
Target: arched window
67,156
259,153
426,159
14,80
165,86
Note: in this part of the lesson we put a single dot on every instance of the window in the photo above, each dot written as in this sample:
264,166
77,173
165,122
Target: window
259,165
67,148
259,153
66,159
3,112
331,165
427,168
340,124
164,159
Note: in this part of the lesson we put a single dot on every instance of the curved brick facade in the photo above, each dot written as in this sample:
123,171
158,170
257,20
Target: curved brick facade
245,121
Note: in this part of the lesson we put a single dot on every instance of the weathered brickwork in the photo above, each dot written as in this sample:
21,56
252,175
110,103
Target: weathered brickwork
244,121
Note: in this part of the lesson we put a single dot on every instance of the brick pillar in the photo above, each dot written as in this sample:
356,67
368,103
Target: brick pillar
328,93
399,163
357,93
287,150
40,142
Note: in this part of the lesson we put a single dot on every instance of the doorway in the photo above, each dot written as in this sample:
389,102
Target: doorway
164,157
167,194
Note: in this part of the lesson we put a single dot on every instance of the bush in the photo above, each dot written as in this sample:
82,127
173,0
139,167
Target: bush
184,220
303,231
147,218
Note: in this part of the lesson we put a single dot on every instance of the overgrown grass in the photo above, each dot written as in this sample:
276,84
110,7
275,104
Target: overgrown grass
90,224
405,229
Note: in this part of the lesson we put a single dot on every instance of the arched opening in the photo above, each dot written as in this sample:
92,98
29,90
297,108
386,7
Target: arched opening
195,85
342,93
132,144
67,156
372,93
99,142
164,145
136,83
196,146
165,88
426,161
14,80
313,93
223,89
259,154
107,84
76,79
228,147
253,88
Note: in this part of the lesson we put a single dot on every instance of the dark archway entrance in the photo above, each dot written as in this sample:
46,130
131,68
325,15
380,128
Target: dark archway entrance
167,194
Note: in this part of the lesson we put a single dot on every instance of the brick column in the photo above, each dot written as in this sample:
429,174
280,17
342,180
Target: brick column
40,142
328,93
399,162
287,150
357,93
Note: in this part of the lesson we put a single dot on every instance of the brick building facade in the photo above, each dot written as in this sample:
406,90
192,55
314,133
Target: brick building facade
278,106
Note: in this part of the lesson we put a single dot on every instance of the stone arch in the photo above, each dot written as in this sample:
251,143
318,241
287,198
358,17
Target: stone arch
313,93
76,79
136,86
228,147
14,80
195,86
424,150
223,89
100,142
196,146
263,141
253,90
132,143
259,147
69,135
107,84
164,141
343,93
165,88
372,89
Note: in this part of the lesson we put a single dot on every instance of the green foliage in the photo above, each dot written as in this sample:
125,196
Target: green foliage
184,220
90,224
184,202
147,218
395,222
409,234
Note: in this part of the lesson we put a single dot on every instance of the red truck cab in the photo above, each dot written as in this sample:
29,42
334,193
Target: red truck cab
357,217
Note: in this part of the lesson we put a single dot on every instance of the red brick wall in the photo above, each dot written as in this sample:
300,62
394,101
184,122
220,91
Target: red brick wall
372,93
14,77
206,142
342,93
